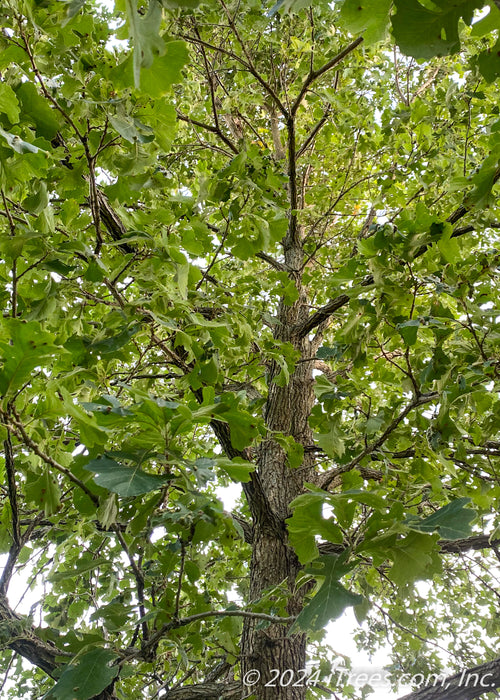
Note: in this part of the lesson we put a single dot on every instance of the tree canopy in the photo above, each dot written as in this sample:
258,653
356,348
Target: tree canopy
251,243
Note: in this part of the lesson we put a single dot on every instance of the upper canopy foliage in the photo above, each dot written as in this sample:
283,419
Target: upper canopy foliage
158,163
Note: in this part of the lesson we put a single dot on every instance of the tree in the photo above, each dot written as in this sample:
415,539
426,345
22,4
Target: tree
244,243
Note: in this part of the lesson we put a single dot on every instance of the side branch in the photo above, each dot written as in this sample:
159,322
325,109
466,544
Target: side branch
249,61
326,478
207,691
314,131
315,74
24,641
17,429
324,312
208,127
17,542
475,543
464,685
258,502
465,208
183,622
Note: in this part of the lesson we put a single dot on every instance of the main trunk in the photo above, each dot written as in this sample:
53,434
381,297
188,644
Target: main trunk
273,561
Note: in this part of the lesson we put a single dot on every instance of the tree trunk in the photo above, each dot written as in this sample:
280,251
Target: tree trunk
273,561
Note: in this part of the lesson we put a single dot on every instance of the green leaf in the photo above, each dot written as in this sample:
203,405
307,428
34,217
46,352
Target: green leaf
243,426
162,118
125,481
436,367
488,62
408,330
81,567
35,108
374,423
38,201
181,4
166,70
8,103
88,675
489,23
307,522
28,347
114,615
157,79
326,353
74,7
332,442
111,345
144,32
289,6
108,511
449,247
17,144
131,129
452,521
44,492
236,468
484,180
332,598
368,16
423,32
413,559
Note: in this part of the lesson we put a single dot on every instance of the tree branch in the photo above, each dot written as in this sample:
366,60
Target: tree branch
114,225
184,621
250,64
17,543
271,261
324,312
139,581
325,479
24,641
315,74
208,127
258,502
17,428
207,691
314,131
475,543
464,685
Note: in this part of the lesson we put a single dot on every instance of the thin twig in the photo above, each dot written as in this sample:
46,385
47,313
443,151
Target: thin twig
139,580
315,74
326,478
18,429
176,624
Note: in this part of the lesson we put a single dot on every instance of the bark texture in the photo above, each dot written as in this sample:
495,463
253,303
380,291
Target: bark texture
465,685
273,561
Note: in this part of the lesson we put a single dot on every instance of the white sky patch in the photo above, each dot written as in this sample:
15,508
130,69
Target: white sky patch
229,495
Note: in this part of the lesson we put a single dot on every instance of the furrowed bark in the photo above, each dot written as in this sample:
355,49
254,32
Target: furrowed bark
23,640
273,561
287,411
464,685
